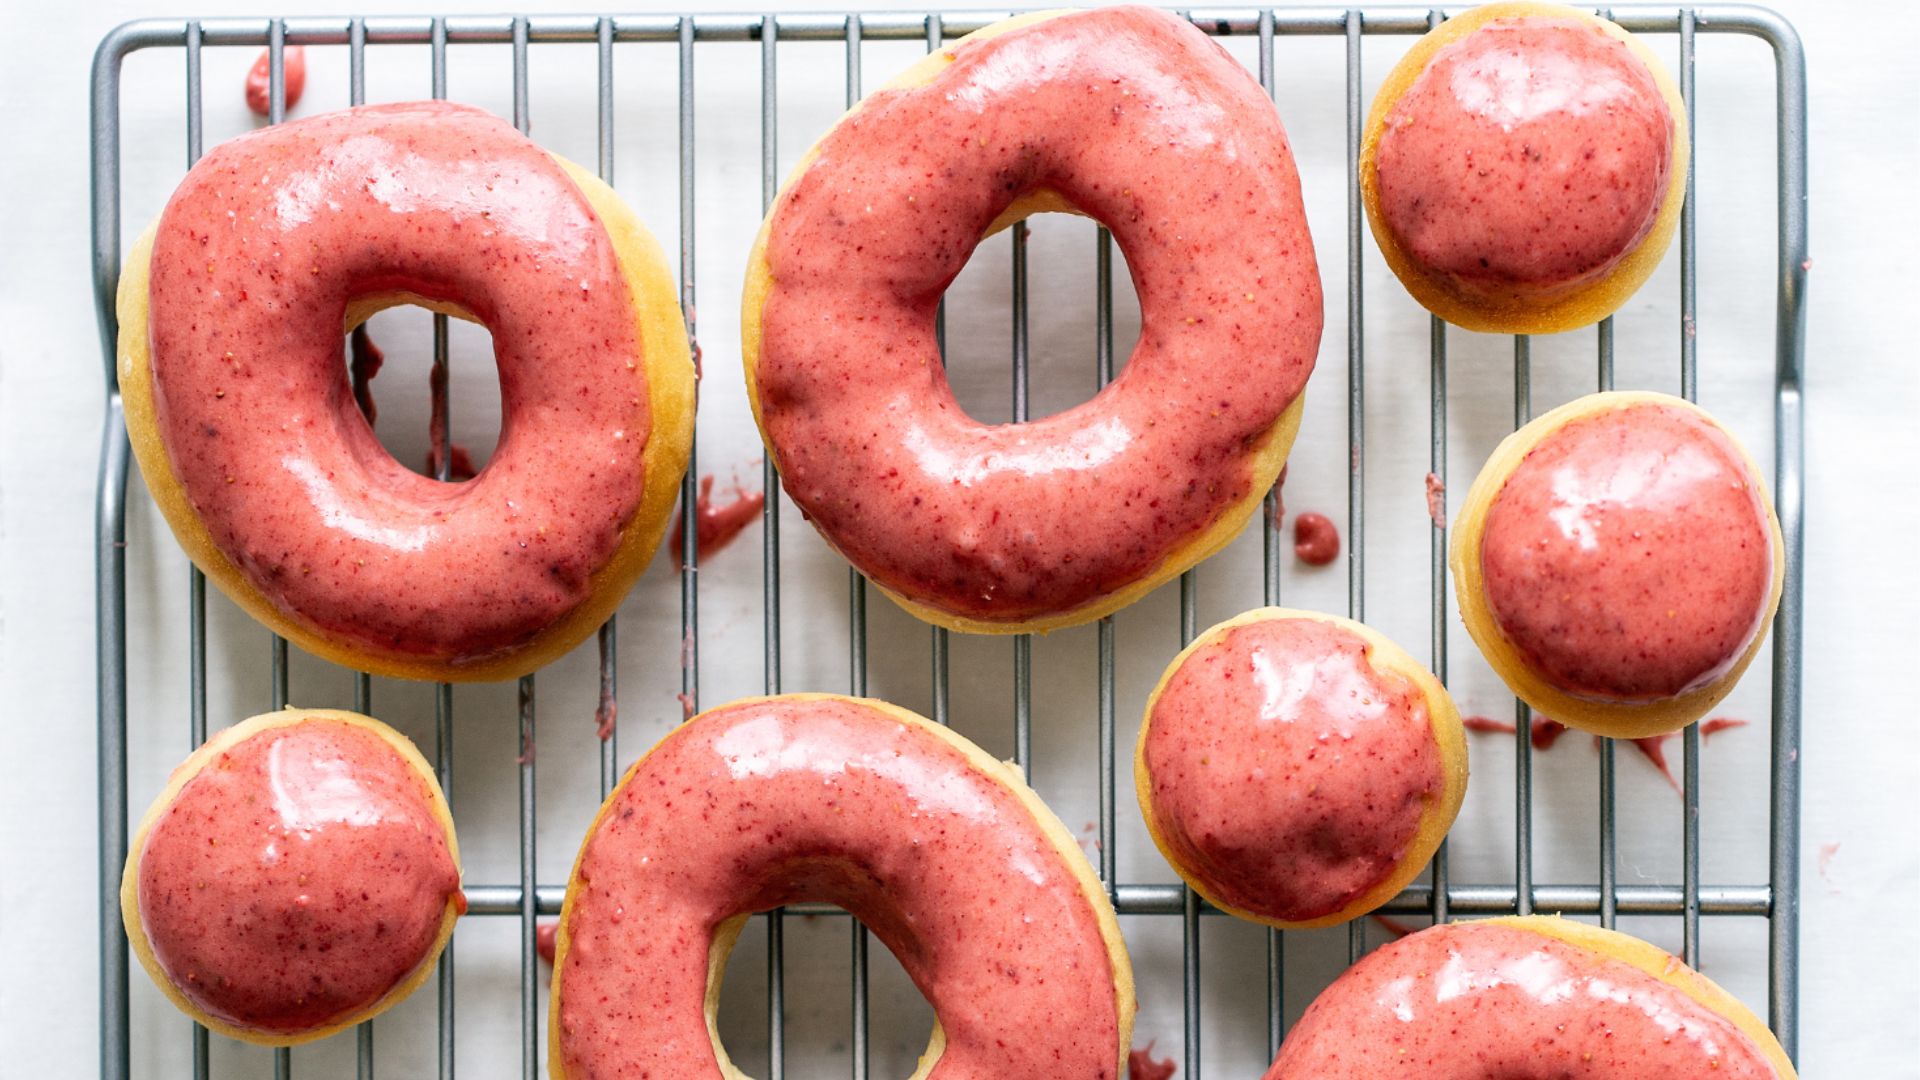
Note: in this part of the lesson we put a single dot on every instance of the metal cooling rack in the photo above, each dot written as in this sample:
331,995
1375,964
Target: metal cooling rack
1776,901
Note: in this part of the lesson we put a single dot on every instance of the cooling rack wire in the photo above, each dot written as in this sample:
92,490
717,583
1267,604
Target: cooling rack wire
1776,901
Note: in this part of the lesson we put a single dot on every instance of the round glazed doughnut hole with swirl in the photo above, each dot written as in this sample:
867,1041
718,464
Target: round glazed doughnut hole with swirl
1617,560
232,308
1524,998
297,875
944,852
1298,769
1130,116
1523,167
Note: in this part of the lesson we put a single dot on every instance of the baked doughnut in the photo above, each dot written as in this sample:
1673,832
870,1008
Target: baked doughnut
1298,769
297,875
944,852
1523,167
1526,997
232,312
1132,117
1618,561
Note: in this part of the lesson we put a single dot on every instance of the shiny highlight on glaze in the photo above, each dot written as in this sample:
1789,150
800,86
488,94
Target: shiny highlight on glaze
1523,167
1629,556
1129,116
1298,769
296,879
1523,999
1631,612
940,850
245,421
1526,160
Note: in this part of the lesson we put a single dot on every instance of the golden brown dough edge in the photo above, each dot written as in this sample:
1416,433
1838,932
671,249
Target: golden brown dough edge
1583,306
1125,1001
1620,720
1269,453
219,744
1448,734
1665,967
668,366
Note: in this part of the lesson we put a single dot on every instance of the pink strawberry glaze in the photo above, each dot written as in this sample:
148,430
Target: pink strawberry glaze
1288,774
1526,160
1141,122
1629,556
786,800
256,257
299,876
1478,1000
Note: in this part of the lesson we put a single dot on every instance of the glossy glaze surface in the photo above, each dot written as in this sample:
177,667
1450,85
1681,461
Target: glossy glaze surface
254,262
1526,160
784,800
1136,119
1288,774
296,878
1629,556
1316,539
1478,1000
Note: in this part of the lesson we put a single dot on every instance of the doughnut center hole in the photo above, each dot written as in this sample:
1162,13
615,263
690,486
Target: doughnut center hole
819,1002
402,389
1062,320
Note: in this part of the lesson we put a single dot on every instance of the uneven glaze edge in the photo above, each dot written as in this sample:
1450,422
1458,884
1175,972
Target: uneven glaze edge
1268,456
1665,967
668,362
1120,966
1620,720
185,772
1443,718
1585,305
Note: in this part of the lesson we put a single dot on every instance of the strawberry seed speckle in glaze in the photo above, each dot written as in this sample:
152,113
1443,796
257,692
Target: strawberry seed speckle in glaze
1467,1001
1137,119
1629,556
1526,160
1287,772
784,800
298,877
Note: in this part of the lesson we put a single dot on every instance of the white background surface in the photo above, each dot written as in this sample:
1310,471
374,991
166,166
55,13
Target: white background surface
1860,982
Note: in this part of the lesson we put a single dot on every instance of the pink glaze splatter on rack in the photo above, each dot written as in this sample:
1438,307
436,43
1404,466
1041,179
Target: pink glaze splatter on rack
293,73
365,363
1316,540
1394,926
1142,1065
606,714
715,524
1710,728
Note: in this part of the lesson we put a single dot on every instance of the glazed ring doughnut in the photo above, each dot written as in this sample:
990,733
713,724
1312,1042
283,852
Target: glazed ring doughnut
297,875
1526,997
232,311
945,853
1618,561
1298,769
1132,117
1523,167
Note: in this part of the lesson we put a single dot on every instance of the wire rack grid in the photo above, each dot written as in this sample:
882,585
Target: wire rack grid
1775,901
